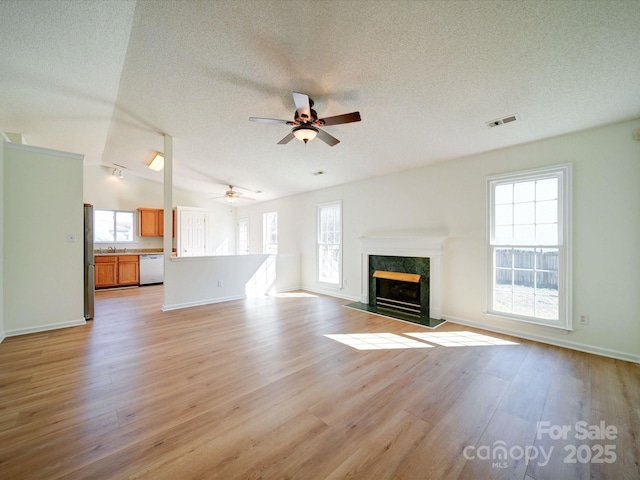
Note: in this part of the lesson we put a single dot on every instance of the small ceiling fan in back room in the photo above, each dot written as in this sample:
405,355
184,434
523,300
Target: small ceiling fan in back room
306,122
231,195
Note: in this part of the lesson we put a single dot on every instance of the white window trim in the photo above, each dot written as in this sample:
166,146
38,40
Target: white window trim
565,285
245,219
264,233
338,285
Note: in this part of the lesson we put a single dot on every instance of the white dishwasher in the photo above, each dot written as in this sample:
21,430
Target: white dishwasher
151,269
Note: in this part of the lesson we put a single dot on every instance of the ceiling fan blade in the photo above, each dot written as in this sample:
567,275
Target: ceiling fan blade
286,139
270,120
328,139
236,196
222,183
302,105
338,119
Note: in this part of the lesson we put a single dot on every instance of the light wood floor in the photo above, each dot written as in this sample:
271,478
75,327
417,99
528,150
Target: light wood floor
253,389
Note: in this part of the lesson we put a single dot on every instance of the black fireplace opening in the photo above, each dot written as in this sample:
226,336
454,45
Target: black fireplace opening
399,294
414,292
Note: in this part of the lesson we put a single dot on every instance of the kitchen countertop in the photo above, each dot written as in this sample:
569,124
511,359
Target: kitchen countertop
126,251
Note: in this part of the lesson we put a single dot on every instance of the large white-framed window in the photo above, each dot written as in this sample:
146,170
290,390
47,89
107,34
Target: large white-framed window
529,257
270,233
113,226
243,236
329,243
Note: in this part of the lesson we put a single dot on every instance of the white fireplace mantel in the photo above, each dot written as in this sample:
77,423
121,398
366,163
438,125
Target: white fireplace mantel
426,247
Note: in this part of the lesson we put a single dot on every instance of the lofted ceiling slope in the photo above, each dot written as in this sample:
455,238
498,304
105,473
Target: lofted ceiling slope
108,78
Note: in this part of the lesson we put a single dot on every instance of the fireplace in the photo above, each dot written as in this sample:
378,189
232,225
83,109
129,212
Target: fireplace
399,283
419,256
398,291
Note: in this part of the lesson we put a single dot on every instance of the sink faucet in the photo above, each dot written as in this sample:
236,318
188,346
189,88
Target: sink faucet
112,249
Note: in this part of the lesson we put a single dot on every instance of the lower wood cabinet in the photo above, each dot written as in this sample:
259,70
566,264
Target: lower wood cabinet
106,271
117,270
128,270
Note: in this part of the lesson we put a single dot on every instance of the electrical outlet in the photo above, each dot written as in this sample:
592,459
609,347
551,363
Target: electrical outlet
219,283
583,319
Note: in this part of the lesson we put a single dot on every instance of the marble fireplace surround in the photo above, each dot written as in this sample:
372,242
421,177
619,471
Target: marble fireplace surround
423,246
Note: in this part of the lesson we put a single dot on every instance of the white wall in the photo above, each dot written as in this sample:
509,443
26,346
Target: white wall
449,197
104,191
2,334
43,271
289,214
191,281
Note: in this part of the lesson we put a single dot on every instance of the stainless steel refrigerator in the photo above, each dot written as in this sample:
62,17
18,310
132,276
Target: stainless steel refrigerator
89,265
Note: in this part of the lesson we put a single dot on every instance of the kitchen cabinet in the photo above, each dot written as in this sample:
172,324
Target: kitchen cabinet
106,268
116,270
128,270
150,222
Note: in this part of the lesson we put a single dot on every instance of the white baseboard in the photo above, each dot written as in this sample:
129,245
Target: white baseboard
286,290
331,293
44,328
290,288
177,306
2,336
605,352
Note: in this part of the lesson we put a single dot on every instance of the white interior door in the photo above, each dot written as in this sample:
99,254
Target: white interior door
193,234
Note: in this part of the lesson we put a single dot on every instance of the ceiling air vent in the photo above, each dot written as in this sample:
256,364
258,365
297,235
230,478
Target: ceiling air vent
501,121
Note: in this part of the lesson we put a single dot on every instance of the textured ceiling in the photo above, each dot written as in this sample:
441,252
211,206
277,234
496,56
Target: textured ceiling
108,78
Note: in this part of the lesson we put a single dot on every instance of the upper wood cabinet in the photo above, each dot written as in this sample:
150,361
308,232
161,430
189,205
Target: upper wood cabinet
150,222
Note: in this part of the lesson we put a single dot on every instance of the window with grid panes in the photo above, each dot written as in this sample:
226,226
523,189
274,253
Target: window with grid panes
528,246
329,243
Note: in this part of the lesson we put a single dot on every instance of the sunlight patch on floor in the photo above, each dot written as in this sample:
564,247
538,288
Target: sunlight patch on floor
293,295
376,341
460,339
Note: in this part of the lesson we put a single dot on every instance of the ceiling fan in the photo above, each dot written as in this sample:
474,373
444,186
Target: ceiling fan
231,195
306,122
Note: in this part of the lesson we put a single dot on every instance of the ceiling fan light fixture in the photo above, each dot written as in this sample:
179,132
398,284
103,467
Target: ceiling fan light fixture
157,163
231,199
305,133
